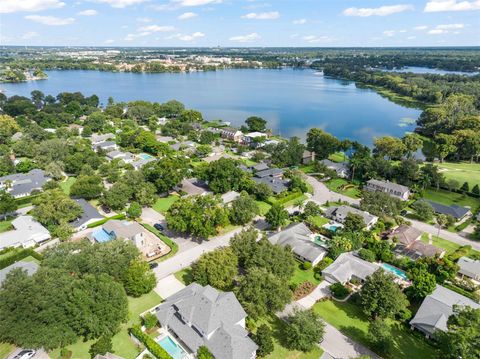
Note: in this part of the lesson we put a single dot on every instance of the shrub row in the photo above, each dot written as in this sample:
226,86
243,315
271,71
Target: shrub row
102,221
284,199
18,256
153,347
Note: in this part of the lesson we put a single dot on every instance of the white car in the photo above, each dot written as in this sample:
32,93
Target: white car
25,354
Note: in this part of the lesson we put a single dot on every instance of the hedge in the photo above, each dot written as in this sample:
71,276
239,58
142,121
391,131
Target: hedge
173,245
462,291
18,256
285,199
153,347
22,201
102,221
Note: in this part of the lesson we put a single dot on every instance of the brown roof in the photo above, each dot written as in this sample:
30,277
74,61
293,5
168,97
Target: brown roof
427,250
405,235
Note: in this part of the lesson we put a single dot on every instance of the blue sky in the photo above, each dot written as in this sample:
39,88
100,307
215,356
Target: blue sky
240,22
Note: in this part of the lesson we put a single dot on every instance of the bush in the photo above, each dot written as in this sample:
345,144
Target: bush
339,291
102,346
367,255
325,262
306,265
153,347
18,256
150,320
263,338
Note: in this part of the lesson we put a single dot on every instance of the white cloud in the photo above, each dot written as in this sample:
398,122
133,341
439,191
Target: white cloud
437,32
379,11
450,26
187,15
88,12
9,6
389,33
192,37
245,38
51,20
29,35
155,28
109,41
120,3
299,21
262,15
411,38
143,19
451,5
421,27
191,3
313,39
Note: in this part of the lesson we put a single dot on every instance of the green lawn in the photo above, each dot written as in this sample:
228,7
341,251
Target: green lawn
300,275
31,259
449,198
264,207
310,168
449,247
350,320
5,349
295,201
344,187
66,185
184,275
318,221
122,344
338,157
461,172
163,204
5,226
279,350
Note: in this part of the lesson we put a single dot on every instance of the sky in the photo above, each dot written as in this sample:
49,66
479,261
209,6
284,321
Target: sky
235,23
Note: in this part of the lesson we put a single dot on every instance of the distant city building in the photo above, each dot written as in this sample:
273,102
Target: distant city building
393,189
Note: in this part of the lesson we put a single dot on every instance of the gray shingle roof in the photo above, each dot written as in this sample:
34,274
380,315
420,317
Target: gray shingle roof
123,229
271,172
405,235
277,185
89,213
437,307
389,185
213,319
30,267
25,183
297,236
455,211
469,267
346,265
343,211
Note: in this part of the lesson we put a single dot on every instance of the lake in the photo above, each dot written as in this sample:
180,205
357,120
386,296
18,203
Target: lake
293,101
426,70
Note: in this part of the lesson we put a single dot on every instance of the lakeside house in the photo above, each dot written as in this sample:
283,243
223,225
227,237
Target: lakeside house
89,215
22,184
231,134
469,268
341,168
457,212
300,239
203,316
348,266
436,308
29,267
339,214
391,188
254,139
308,157
408,243
27,232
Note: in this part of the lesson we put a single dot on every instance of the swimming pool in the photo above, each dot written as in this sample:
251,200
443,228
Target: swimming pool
332,227
145,156
102,236
172,348
320,241
398,272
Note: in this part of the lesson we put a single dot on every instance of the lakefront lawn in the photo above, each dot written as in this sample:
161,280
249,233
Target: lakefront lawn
344,187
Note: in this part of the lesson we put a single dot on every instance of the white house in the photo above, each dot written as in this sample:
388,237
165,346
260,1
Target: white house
27,232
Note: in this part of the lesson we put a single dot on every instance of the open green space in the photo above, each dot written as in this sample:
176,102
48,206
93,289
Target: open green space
31,259
5,226
350,320
448,198
337,157
318,221
344,187
461,172
163,204
449,247
66,185
263,206
303,275
122,344
279,350
184,275
5,349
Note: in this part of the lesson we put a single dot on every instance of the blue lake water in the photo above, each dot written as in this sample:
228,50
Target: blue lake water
425,70
293,101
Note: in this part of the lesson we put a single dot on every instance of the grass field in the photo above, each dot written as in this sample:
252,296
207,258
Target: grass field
350,320
31,259
449,198
264,207
449,247
66,185
279,349
338,184
318,221
5,226
163,204
337,157
122,344
184,275
461,172
300,275
5,349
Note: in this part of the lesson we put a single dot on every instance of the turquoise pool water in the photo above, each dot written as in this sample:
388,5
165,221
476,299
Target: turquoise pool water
172,348
332,227
145,156
398,272
101,236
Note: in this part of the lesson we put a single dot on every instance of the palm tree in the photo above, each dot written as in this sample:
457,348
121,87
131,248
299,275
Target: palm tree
441,221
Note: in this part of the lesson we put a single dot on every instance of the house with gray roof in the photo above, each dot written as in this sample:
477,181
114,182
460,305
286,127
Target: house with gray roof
22,184
203,316
457,212
340,214
405,235
341,168
277,185
436,308
27,232
300,239
30,267
97,138
117,229
469,268
391,188
89,215
348,266
106,146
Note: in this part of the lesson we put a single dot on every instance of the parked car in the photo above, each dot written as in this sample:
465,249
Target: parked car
25,354
153,265
158,227
106,209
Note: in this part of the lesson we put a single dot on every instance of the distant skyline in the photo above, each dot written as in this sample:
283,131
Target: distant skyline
245,23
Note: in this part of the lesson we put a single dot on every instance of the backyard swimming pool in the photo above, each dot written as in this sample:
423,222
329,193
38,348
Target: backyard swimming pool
172,348
332,227
398,272
145,156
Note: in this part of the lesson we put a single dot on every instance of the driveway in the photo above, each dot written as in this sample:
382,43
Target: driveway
318,293
322,194
168,286
40,354
150,216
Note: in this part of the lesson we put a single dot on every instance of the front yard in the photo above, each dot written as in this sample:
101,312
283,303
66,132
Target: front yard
344,187
303,275
163,204
5,226
449,247
350,320
448,198
122,344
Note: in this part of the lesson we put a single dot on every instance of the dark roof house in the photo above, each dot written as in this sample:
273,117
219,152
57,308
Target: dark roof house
22,184
457,212
89,215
